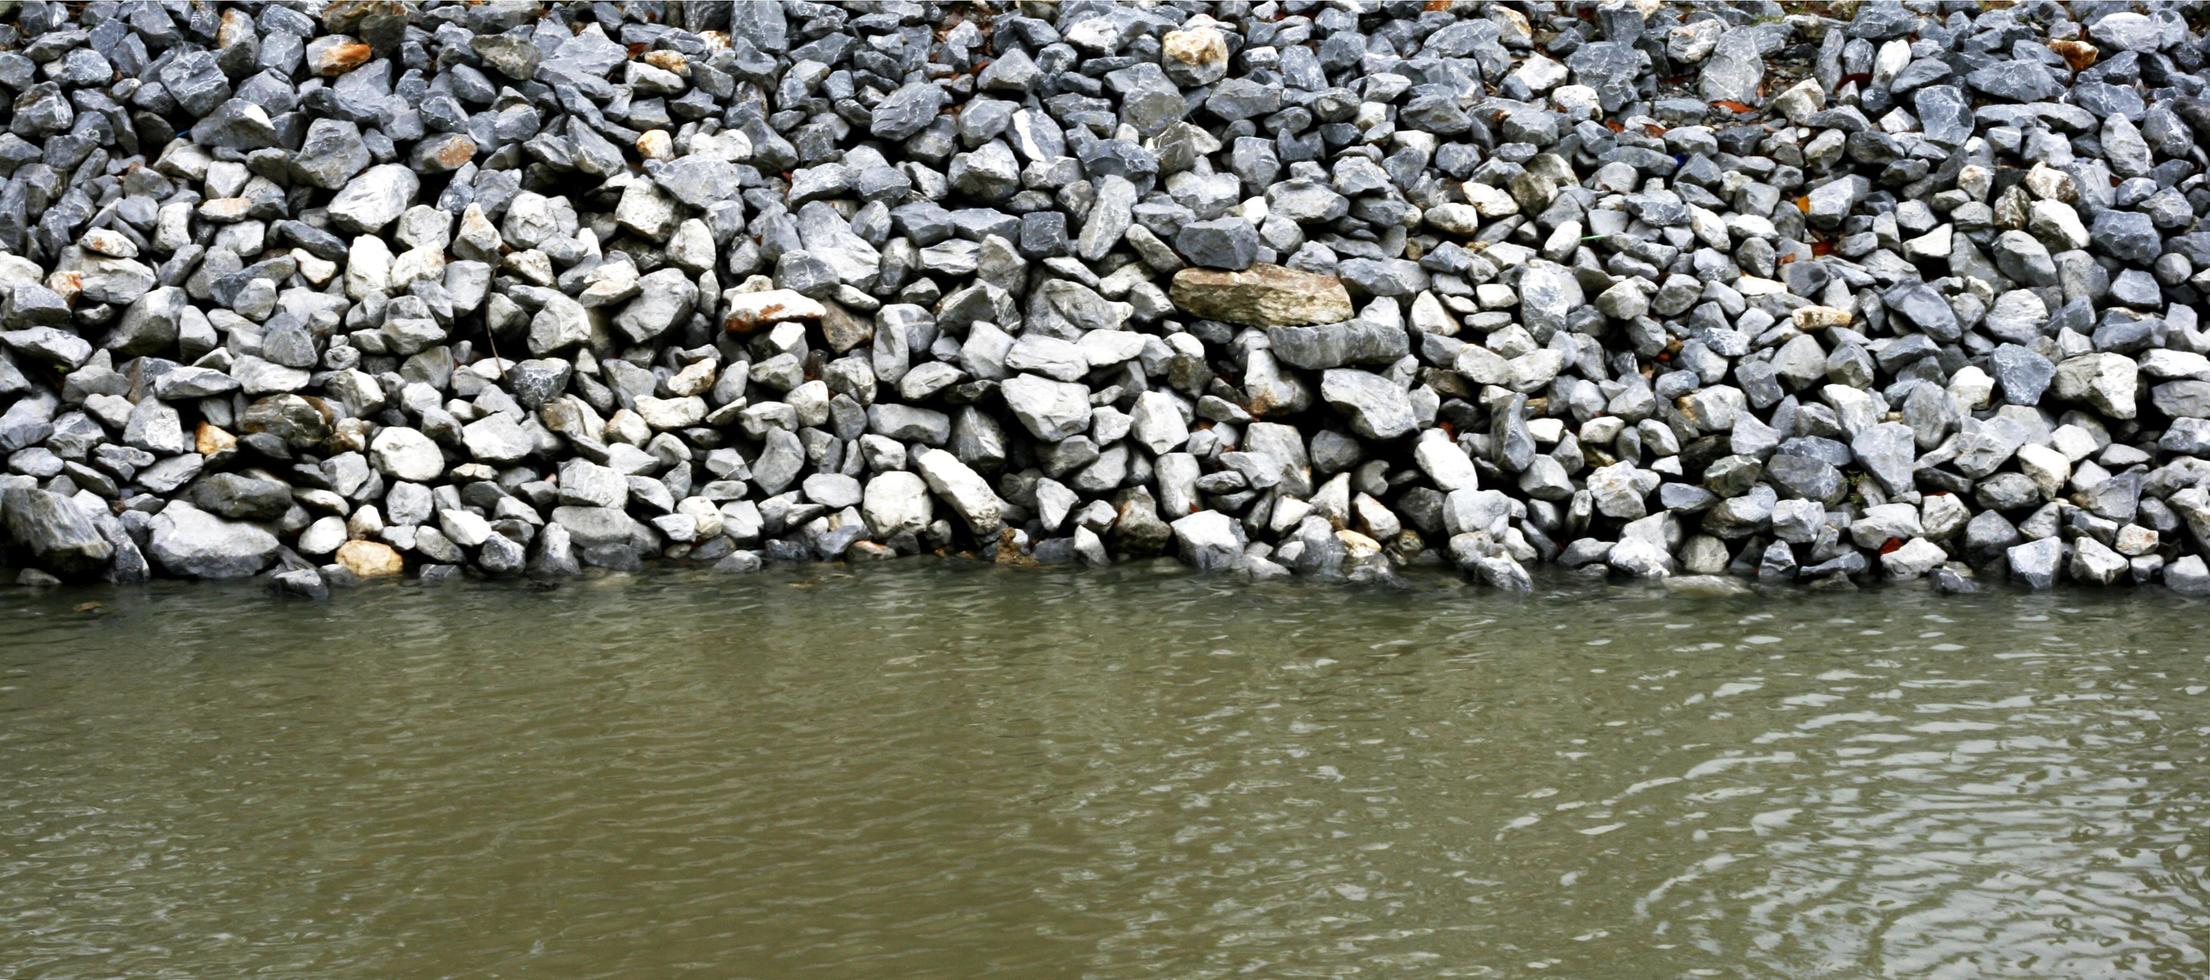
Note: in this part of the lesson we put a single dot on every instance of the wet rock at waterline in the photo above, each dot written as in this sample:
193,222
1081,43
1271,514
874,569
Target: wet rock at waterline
1686,290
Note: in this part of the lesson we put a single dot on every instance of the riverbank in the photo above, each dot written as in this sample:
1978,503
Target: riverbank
513,289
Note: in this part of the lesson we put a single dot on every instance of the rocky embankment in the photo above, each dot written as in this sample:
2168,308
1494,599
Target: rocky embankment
1819,293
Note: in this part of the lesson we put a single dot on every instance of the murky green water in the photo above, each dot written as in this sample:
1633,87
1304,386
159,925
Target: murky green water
928,770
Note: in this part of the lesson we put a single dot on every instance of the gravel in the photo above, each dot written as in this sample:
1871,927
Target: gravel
1288,288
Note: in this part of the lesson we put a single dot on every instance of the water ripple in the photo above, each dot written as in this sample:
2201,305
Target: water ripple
945,770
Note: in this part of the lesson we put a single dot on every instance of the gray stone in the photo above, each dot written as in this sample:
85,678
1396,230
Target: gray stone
2022,373
1889,451
53,532
965,490
497,438
1613,69
2107,382
2035,564
236,495
2126,235
1376,407
1109,219
406,454
1548,295
2127,31
1735,71
1943,114
897,503
1050,410
1337,344
374,198
905,111
1222,243
2014,81
189,542
1919,304
1209,540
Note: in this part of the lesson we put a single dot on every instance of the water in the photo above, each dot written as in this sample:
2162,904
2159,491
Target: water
943,771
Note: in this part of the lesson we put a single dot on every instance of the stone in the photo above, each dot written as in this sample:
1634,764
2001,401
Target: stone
1337,344
1943,114
963,489
497,438
1916,559
1618,490
243,497
1110,217
1194,56
1157,423
1444,462
370,559
373,199
1735,71
54,533
406,454
905,111
1278,297
746,312
1222,243
2094,563
2188,575
191,543
1888,451
1050,410
2126,235
2022,373
1376,407
1209,540
1262,296
2107,382
2014,81
897,503
664,298
2035,564
1924,308
2127,31
1548,294
1612,69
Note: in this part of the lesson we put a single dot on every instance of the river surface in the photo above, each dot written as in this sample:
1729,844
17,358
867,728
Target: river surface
934,770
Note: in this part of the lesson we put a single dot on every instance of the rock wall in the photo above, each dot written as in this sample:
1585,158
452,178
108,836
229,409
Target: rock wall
323,291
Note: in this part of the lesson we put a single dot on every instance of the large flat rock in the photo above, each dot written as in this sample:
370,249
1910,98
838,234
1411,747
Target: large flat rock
1262,296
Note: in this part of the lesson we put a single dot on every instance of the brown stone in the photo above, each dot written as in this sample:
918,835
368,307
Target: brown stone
2080,55
1198,47
843,330
444,153
370,559
751,311
338,59
299,420
209,440
1262,296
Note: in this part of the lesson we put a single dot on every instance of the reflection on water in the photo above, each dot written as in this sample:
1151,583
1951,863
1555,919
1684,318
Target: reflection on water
943,770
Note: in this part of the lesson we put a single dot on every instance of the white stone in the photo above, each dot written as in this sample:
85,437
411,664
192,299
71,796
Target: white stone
1445,463
1916,559
406,454
965,490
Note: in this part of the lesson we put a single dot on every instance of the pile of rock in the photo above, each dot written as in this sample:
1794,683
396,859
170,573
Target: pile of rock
357,288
